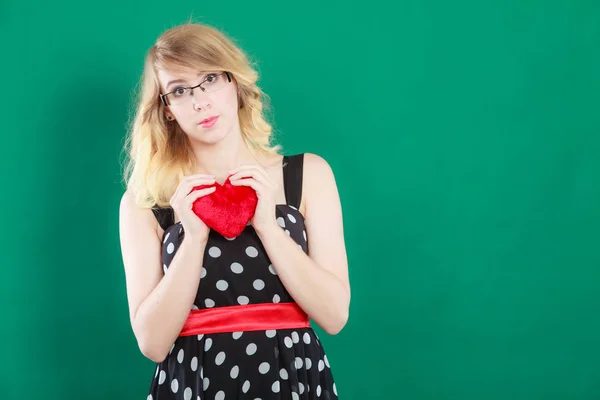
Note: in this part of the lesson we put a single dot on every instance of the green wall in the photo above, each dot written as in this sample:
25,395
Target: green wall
464,137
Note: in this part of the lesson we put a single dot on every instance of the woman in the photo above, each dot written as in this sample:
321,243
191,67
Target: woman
226,317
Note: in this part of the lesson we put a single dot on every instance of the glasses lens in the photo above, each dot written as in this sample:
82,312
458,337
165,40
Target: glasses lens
213,82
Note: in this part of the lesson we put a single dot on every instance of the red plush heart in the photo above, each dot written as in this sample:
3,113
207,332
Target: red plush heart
228,209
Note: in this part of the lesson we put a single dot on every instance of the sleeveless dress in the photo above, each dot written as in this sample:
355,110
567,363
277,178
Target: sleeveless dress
272,364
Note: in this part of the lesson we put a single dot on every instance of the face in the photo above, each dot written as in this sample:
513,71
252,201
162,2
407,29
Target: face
219,100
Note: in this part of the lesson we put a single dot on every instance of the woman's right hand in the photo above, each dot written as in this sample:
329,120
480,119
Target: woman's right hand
183,200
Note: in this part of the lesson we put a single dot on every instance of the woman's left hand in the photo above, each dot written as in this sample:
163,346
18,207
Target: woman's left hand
256,177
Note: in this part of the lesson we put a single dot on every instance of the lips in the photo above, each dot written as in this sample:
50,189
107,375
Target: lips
208,120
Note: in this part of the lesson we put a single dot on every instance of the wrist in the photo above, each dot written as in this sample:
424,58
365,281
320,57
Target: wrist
268,229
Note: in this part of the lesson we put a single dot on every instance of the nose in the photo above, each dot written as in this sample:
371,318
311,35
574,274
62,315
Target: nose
200,99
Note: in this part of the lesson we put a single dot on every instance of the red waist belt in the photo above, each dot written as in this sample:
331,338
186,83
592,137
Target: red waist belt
250,317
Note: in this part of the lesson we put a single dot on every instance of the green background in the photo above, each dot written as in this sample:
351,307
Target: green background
464,138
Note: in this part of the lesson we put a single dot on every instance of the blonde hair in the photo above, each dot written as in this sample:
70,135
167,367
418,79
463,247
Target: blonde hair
158,153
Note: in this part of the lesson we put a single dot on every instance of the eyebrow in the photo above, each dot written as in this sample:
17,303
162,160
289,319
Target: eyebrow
183,80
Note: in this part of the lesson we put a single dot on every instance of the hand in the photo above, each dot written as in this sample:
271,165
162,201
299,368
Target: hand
257,178
184,198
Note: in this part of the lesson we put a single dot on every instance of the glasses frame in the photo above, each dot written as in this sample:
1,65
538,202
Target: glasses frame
163,97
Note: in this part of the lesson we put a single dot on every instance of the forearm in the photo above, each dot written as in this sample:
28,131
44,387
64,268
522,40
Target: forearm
161,315
316,290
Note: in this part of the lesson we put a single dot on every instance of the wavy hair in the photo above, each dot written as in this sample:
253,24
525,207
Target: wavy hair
158,152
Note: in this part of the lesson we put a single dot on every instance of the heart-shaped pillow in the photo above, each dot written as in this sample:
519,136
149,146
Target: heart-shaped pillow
228,209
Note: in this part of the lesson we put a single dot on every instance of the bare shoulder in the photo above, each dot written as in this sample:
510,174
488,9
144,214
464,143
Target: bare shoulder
132,217
315,165
317,173
319,184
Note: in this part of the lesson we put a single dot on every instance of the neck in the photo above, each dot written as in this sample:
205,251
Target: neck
220,158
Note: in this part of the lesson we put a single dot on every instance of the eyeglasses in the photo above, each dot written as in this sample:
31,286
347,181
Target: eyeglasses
213,82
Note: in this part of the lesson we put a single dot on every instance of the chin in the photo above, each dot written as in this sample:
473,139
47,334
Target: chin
210,137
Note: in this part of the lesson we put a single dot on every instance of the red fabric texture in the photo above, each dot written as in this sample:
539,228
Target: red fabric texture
250,317
228,209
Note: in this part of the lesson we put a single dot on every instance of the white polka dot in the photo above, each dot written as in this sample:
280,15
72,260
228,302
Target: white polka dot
172,347
291,218
293,207
308,362
220,395
295,396
334,389
270,333
230,239
161,377
318,390
264,367
205,383
165,268
236,335
304,234
288,232
200,336
275,387
246,387
209,303
187,394
243,300
194,364
214,252
222,285
174,385
251,251
288,342
301,387
207,344
170,248
326,361
272,270
194,307
220,358
258,284
283,374
276,299
299,363
281,222
251,349
202,372
237,268
321,365
300,247
203,273
234,372
295,337
306,338
156,373
166,237
180,356
149,397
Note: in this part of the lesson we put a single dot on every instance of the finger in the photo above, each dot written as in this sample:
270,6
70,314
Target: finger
186,186
196,194
255,173
193,183
250,182
250,167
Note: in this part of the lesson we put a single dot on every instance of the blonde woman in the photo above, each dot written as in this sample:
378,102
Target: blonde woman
226,317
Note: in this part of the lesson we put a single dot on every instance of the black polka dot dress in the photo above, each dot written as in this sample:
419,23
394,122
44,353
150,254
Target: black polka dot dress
268,364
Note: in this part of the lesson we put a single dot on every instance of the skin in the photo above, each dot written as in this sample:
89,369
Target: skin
318,282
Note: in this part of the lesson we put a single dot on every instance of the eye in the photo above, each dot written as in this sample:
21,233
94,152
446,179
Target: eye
210,78
179,91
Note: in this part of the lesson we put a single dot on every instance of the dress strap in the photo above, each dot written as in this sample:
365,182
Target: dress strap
165,216
292,179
